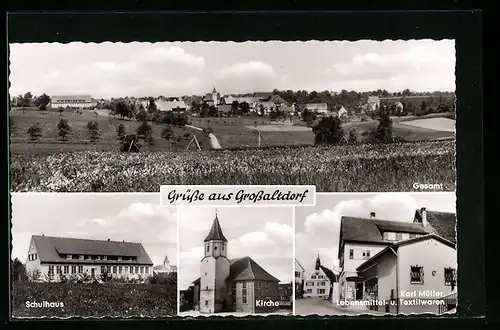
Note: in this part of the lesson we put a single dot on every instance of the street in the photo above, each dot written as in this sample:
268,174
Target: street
318,306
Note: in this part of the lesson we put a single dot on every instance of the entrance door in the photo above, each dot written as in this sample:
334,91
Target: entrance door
359,290
92,272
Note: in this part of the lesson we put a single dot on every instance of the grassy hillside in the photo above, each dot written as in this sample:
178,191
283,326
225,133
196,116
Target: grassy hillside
78,139
95,300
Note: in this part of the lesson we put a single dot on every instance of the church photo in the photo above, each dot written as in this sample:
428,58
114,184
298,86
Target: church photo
235,261
376,254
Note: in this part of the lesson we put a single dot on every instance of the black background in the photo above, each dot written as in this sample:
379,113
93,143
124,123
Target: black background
464,26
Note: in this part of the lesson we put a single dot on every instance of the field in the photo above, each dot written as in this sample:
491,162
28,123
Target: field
95,300
356,168
438,124
78,139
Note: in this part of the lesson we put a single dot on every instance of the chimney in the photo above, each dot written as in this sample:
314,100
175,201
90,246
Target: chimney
372,215
423,212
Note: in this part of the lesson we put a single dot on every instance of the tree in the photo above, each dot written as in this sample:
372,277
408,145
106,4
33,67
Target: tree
144,130
123,109
353,139
328,131
141,115
383,133
212,111
167,133
308,116
26,100
234,107
63,129
120,132
60,110
93,130
18,271
35,131
152,108
42,102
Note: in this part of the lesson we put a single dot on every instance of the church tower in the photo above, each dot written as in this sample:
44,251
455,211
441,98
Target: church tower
214,270
317,265
215,97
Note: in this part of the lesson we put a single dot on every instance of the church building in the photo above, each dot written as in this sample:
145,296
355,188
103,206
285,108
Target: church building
231,285
319,283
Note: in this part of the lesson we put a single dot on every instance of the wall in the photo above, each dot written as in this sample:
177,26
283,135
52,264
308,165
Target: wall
317,285
222,266
359,248
249,306
72,105
207,274
433,256
31,265
271,293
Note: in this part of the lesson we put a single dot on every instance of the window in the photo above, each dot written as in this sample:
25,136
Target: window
297,274
244,292
416,274
66,269
146,269
399,236
222,247
208,248
80,269
137,269
114,269
321,283
73,269
450,276
58,269
103,269
215,248
390,236
366,254
142,270
414,235
75,256
51,271
206,301
81,257
351,254
320,291
309,291
313,277
320,276
309,283
131,269
120,269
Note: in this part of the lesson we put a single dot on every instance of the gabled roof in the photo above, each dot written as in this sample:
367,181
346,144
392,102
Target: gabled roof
316,105
371,230
62,98
246,268
396,245
215,233
286,108
329,273
373,99
54,249
299,264
441,223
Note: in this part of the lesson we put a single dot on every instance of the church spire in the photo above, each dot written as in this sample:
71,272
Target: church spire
215,233
318,263
166,262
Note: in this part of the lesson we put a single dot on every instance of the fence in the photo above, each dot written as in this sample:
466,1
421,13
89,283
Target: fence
450,302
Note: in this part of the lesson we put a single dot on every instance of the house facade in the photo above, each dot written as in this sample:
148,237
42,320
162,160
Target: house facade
165,268
54,258
72,101
362,239
317,284
404,271
319,108
231,285
373,103
299,280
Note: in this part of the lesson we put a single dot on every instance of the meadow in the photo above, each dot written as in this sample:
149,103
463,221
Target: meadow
78,138
95,300
356,168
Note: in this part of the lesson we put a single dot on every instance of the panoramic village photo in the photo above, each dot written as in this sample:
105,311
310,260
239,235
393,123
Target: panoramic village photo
128,117
93,256
235,261
376,254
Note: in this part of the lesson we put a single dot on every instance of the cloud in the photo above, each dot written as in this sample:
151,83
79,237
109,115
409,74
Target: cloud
279,230
176,55
248,69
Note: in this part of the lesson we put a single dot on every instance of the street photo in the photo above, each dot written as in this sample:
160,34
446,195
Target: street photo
345,116
93,256
235,261
376,254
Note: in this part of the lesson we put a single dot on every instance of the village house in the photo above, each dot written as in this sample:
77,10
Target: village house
231,285
373,103
299,279
57,257
72,101
364,239
319,108
162,104
319,283
342,113
165,268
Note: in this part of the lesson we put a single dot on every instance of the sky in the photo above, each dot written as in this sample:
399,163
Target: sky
263,233
318,227
129,217
194,68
